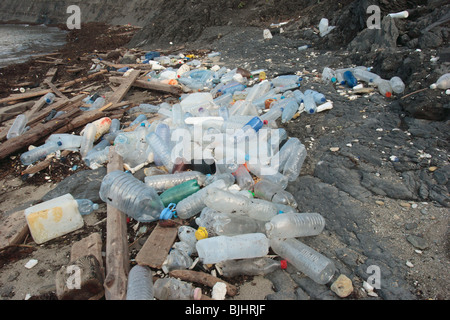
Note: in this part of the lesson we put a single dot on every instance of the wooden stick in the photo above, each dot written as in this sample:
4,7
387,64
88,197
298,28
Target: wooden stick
117,254
202,278
124,87
150,85
414,92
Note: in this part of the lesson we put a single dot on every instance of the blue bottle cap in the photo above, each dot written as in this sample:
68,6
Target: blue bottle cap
168,212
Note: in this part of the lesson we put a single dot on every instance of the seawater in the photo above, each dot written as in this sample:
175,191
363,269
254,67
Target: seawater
20,42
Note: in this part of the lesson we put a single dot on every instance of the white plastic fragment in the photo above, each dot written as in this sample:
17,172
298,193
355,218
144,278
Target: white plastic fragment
219,291
31,263
267,34
399,15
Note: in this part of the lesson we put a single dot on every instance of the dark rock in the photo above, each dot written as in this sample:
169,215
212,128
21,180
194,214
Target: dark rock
418,242
429,40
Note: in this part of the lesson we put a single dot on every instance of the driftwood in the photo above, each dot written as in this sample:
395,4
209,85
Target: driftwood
202,278
123,89
150,85
117,253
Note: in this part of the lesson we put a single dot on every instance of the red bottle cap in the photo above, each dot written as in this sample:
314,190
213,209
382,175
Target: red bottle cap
283,264
265,122
388,94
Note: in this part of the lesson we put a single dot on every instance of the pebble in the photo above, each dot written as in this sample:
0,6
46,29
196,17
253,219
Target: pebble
417,241
380,203
409,264
334,149
343,286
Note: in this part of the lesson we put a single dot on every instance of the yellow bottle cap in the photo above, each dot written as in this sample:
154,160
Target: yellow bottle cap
201,233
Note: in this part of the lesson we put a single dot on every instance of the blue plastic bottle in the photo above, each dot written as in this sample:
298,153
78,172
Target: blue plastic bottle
350,79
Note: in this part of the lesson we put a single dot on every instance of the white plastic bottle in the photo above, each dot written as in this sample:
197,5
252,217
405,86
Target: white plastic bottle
87,143
96,159
140,283
397,84
384,87
49,98
250,267
175,289
18,127
222,248
305,259
131,196
442,83
294,225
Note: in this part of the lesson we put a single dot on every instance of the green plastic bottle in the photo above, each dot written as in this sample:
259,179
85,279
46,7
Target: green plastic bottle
179,192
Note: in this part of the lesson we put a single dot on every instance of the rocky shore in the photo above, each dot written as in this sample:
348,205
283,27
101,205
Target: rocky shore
377,168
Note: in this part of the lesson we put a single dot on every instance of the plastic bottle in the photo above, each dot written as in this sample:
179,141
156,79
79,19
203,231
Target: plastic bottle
69,141
39,153
366,76
193,204
160,149
86,206
175,289
289,110
164,182
294,225
140,283
442,83
98,103
329,74
258,90
350,79
179,192
96,159
87,142
18,127
295,161
319,98
397,84
225,201
49,98
271,192
227,224
305,259
243,178
131,196
269,173
178,258
222,248
384,87
285,80
309,104
250,267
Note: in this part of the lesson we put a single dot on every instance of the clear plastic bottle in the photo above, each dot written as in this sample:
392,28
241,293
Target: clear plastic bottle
98,103
366,76
131,196
140,283
329,74
310,104
179,258
305,259
87,143
258,90
289,110
222,248
319,97
294,225
295,161
384,87
285,80
250,267
225,201
96,159
228,224
40,152
175,289
139,119
243,178
161,149
164,182
194,204
271,192
269,173
442,83
86,206
49,98
397,85
69,141
18,127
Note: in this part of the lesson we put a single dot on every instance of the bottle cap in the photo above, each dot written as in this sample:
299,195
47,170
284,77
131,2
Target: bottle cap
283,264
201,233
168,212
433,86
265,122
388,94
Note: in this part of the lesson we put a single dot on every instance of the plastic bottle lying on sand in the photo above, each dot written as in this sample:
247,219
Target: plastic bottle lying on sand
175,289
442,83
305,259
222,248
250,267
294,225
18,127
40,152
140,283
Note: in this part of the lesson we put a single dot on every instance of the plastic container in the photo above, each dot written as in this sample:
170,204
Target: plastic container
54,218
175,289
442,83
96,159
366,76
18,127
87,143
289,110
140,283
243,178
194,204
295,161
131,196
350,79
98,103
399,15
225,201
319,98
86,206
178,258
222,248
305,259
384,87
309,104
102,126
285,80
397,85
68,141
269,173
294,225
250,267
164,182
329,74
179,192
227,224
49,98
271,192
160,149
40,152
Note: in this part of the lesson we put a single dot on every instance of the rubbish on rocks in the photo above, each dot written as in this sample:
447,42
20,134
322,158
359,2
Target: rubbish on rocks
250,267
442,83
140,283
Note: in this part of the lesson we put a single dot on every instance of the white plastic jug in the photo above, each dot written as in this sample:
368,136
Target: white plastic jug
53,218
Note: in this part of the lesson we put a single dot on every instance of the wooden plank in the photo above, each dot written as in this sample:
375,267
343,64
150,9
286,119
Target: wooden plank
155,250
117,253
23,96
13,229
121,92
55,89
51,74
150,85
